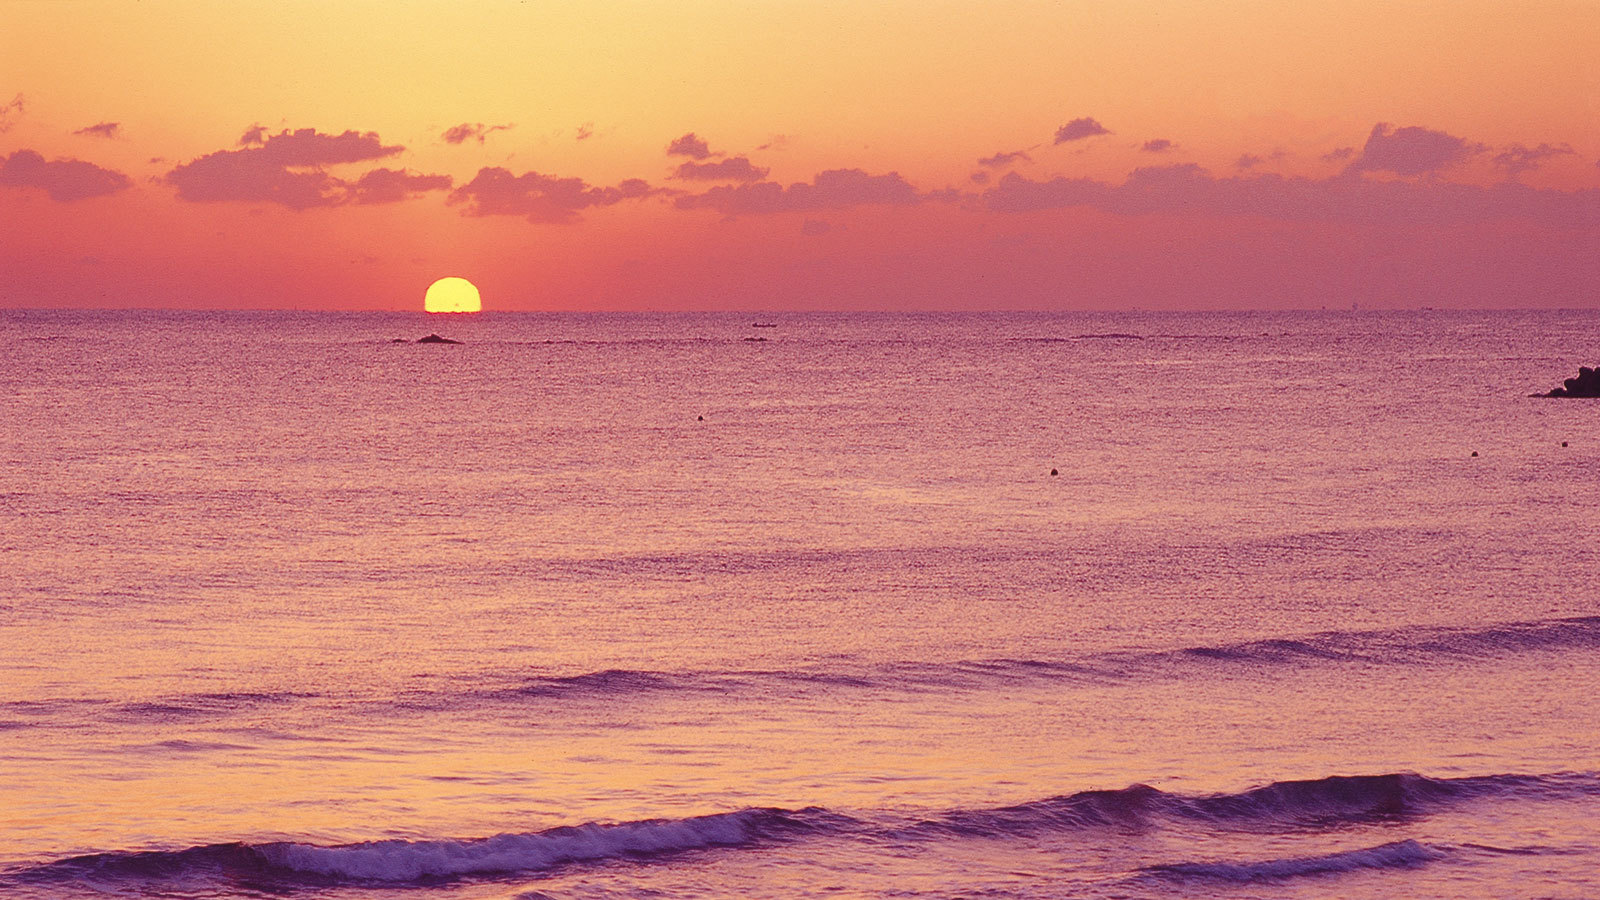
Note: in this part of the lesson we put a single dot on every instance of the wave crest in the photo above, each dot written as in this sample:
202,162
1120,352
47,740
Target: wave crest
418,860
1324,802
396,861
1397,855
1402,646
1392,647
1282,806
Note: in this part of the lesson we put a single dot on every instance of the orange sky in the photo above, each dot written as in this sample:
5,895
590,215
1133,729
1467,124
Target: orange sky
1483,189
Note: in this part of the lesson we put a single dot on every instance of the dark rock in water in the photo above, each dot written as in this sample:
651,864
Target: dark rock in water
1587,384
399,341
756,340
435,339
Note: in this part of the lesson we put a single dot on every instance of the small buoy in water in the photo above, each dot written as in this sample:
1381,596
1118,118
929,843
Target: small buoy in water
699,418
1563,443
1474,453
1054,472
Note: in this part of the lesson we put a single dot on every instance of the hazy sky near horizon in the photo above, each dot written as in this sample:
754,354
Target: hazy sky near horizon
837,155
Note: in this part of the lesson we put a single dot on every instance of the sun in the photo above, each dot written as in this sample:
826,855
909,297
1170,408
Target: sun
452,295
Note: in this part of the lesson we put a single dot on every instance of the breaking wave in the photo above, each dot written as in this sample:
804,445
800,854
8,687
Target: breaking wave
432,860
1283,805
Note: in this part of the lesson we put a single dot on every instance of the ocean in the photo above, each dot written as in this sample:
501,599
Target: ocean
1135,605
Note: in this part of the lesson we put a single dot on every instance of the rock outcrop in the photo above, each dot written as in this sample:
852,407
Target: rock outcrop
435,339
1587,384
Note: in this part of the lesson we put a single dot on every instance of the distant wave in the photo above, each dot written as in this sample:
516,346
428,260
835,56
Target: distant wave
1404,646
1396,855
1397,646
1106,336
207,704
182,707
1420,645
608,681
1325,802
1288,805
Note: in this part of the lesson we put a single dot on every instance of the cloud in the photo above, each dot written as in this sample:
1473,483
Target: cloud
104,130
1001,160
1078,129
245,176
1157,145
1411,151
1190,190
394,185
1516,159
1251,160
541,198
734,168
65,180
813,227
472,130
309,147
833,189
689,146
979,177
585,131
11,112
1017,194
283,168
1339,155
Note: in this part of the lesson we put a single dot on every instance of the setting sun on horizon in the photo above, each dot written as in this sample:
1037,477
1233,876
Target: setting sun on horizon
452,295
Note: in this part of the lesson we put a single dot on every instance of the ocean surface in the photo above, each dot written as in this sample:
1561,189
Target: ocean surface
1271,605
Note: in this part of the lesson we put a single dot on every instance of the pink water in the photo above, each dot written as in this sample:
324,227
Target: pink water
288,608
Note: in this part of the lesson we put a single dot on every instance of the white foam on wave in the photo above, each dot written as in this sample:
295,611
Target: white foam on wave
1396,855
399,860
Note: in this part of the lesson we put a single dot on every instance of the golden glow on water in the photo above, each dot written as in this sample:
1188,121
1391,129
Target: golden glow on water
452,295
